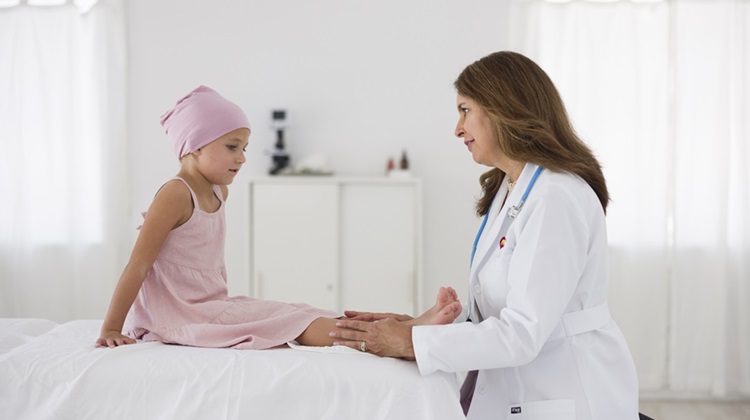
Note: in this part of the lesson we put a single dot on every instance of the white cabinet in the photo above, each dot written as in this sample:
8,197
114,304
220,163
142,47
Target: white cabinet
337,243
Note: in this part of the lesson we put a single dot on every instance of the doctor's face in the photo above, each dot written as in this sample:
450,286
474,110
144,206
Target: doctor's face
475,128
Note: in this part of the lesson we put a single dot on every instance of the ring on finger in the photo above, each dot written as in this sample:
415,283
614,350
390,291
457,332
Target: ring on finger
363,346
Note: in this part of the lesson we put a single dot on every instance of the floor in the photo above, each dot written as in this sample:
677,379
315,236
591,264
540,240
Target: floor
696,410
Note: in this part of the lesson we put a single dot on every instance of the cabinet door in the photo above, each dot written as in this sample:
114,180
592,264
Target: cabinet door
378,248
295,236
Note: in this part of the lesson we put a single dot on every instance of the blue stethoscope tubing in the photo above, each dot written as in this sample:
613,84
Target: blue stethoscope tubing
512,212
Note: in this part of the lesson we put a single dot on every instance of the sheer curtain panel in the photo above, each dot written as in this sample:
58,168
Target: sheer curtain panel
661,91
62,166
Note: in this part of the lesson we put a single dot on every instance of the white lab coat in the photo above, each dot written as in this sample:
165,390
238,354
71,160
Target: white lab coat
541,335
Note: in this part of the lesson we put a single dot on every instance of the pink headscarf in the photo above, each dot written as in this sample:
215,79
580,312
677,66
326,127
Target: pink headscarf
199,118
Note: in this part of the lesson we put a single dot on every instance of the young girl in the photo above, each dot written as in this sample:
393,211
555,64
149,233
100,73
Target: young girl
173,289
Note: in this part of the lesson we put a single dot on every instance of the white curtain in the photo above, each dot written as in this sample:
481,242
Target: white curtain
62,159
661,91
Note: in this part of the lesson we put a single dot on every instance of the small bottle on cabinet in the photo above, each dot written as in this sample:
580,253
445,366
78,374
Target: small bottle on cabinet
404,166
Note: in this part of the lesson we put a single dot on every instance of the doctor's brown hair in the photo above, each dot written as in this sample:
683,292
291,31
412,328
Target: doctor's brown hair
528,120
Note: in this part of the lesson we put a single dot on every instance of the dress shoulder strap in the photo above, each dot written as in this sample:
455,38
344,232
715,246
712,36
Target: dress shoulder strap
192,193
219,194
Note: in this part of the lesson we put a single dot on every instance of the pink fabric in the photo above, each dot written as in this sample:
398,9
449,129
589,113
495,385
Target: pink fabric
184,297
199,118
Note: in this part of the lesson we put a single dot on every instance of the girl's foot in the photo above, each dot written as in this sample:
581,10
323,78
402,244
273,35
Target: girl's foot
447,308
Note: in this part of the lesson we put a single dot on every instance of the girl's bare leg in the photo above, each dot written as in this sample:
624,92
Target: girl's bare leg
316,333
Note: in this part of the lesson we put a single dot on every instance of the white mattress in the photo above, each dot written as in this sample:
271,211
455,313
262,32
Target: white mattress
51,371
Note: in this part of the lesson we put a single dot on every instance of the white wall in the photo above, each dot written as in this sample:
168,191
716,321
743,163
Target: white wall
361,81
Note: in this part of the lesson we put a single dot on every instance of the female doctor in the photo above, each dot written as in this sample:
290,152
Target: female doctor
540,342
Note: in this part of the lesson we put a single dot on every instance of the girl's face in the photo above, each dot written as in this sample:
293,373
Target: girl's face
474,127
221,160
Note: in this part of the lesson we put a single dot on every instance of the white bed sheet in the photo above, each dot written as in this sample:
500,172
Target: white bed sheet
51,371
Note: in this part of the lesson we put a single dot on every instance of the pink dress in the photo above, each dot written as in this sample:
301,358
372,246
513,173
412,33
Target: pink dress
184,297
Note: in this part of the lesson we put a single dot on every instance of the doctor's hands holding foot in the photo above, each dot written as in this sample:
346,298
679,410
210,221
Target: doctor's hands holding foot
447,299
389,335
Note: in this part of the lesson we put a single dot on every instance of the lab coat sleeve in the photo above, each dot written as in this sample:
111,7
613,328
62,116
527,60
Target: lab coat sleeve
549,257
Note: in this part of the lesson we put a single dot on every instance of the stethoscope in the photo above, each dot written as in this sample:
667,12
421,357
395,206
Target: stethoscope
512,212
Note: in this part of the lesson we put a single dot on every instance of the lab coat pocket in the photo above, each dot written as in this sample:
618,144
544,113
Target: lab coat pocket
543,410
494,279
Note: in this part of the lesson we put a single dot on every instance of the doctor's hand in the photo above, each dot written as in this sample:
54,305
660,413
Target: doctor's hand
375,316
385,338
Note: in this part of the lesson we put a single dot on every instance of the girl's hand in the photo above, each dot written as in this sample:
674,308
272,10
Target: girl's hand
375,316
113,339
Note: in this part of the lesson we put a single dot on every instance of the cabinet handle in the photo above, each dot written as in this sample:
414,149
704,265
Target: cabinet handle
259,285
414,294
